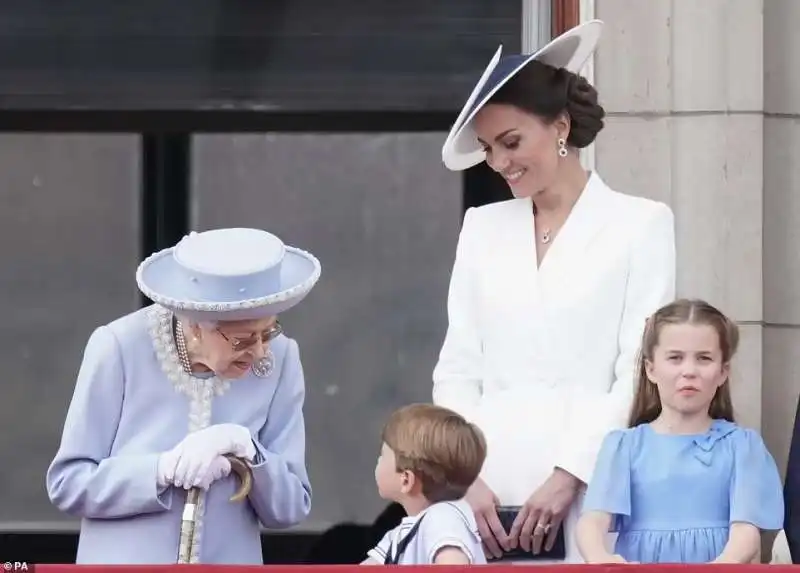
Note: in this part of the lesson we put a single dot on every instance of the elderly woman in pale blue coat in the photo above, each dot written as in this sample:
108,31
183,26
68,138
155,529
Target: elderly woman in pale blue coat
165,393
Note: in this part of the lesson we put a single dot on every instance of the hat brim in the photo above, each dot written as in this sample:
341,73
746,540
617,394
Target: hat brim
571,50
158,278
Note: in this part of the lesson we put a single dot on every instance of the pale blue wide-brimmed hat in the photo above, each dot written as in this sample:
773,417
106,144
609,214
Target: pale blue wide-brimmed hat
228,274
571,50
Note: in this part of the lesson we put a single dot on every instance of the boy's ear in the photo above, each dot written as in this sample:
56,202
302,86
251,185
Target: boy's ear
409,482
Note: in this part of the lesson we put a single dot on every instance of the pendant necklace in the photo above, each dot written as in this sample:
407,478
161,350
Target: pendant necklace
546,236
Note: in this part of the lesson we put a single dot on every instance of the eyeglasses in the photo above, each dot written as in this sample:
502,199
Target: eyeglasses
239,344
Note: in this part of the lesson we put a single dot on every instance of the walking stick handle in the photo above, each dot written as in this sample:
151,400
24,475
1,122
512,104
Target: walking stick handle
242,469
244,472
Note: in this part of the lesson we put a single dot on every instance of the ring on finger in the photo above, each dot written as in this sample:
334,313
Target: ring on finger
543,527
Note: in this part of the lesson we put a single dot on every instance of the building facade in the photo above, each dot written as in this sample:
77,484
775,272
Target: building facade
703,100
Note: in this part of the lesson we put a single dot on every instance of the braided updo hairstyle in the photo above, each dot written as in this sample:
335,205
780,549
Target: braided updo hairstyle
547,92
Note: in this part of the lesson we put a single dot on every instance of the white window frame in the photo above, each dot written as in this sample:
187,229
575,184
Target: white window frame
586,13
536,24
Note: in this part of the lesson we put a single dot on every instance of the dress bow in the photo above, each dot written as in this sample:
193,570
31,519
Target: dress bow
704,450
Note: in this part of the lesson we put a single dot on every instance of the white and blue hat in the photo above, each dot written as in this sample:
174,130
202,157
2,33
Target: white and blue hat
570,51
228,274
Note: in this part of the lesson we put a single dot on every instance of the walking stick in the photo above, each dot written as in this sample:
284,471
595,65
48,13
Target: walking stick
186,546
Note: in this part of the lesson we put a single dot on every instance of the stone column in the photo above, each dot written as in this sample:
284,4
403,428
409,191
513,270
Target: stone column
682,81
781,223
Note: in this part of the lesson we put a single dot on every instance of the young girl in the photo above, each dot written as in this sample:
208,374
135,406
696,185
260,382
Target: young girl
684,484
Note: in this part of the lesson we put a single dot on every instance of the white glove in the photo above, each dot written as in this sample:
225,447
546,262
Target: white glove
220,467
199,451
167,462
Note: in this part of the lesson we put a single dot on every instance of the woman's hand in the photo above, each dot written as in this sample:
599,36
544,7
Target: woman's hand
188,468
219,468
197,460
538,521
224,439
484,503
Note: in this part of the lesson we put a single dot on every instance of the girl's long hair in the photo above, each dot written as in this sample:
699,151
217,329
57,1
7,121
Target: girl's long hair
647,403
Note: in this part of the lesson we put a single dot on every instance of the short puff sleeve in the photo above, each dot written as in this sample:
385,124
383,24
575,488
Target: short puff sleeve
756,488
609,490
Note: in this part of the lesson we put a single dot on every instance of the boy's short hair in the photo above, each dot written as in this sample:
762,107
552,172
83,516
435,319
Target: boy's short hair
443,450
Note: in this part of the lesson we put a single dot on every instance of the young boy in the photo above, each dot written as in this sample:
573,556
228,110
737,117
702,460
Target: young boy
429,458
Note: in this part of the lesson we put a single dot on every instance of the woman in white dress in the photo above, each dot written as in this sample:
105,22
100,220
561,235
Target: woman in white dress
548,297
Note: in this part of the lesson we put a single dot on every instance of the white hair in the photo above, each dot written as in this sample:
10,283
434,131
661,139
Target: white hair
204,324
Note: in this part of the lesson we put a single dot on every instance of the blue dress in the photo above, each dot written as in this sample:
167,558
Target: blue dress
673,497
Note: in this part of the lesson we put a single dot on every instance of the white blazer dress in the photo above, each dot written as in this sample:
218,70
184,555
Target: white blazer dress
542,358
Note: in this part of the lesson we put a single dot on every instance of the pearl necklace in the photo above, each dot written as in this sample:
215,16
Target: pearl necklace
183,353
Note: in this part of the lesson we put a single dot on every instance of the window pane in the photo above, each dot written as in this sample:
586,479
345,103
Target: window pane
300,55
69,243
382,214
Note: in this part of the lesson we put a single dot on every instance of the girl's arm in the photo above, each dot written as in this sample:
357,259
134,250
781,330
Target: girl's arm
744,544
608,499
590,534
756,499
